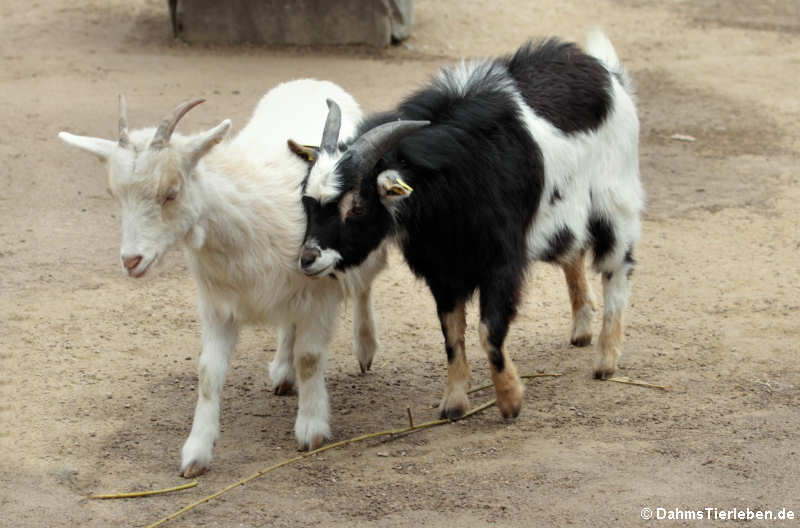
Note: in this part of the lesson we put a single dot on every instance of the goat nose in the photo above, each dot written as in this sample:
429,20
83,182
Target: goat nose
308,256
130,263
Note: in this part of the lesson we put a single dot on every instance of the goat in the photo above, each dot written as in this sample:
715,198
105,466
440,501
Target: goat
236,208
528,157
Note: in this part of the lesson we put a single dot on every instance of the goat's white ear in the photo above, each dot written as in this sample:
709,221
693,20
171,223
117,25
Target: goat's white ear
102,148
200,144
392,188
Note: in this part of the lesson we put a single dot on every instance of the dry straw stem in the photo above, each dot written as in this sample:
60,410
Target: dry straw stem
411,428
144,493
524,376
628,381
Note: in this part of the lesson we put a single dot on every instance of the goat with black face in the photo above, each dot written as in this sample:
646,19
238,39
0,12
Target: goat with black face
496,163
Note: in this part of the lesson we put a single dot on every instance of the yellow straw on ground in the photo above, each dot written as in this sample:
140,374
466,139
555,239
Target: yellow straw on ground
143,493
409,429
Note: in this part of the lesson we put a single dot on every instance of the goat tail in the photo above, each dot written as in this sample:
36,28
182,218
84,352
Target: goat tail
599,46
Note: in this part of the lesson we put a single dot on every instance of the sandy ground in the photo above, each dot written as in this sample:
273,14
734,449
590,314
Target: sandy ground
97,383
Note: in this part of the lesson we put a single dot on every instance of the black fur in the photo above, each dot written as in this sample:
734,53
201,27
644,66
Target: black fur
450,353
603,237
560,242
497,361
631,261
562,84
556,196
629,257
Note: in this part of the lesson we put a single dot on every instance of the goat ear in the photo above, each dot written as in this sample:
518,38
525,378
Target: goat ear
102,148
307,153
199,145
391,187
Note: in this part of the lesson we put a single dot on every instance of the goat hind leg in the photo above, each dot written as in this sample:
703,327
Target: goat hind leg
281,368
581,299
616,286
312,426
365,340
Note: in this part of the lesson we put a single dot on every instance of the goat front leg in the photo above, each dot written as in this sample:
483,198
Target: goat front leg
498,299
365,340
219,340
312,426
281,368
455,402
581,299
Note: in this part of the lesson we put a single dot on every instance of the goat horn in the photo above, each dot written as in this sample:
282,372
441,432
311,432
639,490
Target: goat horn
372,145
167,125
124,140
330,135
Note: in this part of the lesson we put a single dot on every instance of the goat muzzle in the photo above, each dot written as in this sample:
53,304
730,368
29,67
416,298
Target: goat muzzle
309,256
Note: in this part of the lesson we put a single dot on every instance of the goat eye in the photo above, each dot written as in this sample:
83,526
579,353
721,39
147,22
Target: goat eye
356,210
171,195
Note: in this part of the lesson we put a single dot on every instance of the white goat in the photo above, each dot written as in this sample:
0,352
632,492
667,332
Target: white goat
237,210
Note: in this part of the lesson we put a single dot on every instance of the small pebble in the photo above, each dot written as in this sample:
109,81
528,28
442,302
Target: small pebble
67,473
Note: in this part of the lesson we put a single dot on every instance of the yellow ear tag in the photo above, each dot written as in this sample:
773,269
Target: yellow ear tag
309,152
400,188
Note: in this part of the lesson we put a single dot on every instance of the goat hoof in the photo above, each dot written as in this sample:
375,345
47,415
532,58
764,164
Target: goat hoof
509,410
454,406
284,388
194,469
509,398
605,368
316,442
451,414
603,374
581,341
365,366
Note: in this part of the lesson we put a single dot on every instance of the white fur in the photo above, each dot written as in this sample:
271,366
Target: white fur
599,46
320,184
604,163
459,77
238,214
596,174
323,185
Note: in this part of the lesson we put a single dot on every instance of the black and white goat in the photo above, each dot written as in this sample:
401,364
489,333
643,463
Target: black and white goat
528,157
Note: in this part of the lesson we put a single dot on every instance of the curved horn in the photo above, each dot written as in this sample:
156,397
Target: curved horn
371,146
167,125
124,140
330,135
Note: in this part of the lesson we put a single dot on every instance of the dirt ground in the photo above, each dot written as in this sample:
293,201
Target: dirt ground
97,383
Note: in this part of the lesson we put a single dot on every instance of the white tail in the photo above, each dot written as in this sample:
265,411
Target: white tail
599,46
